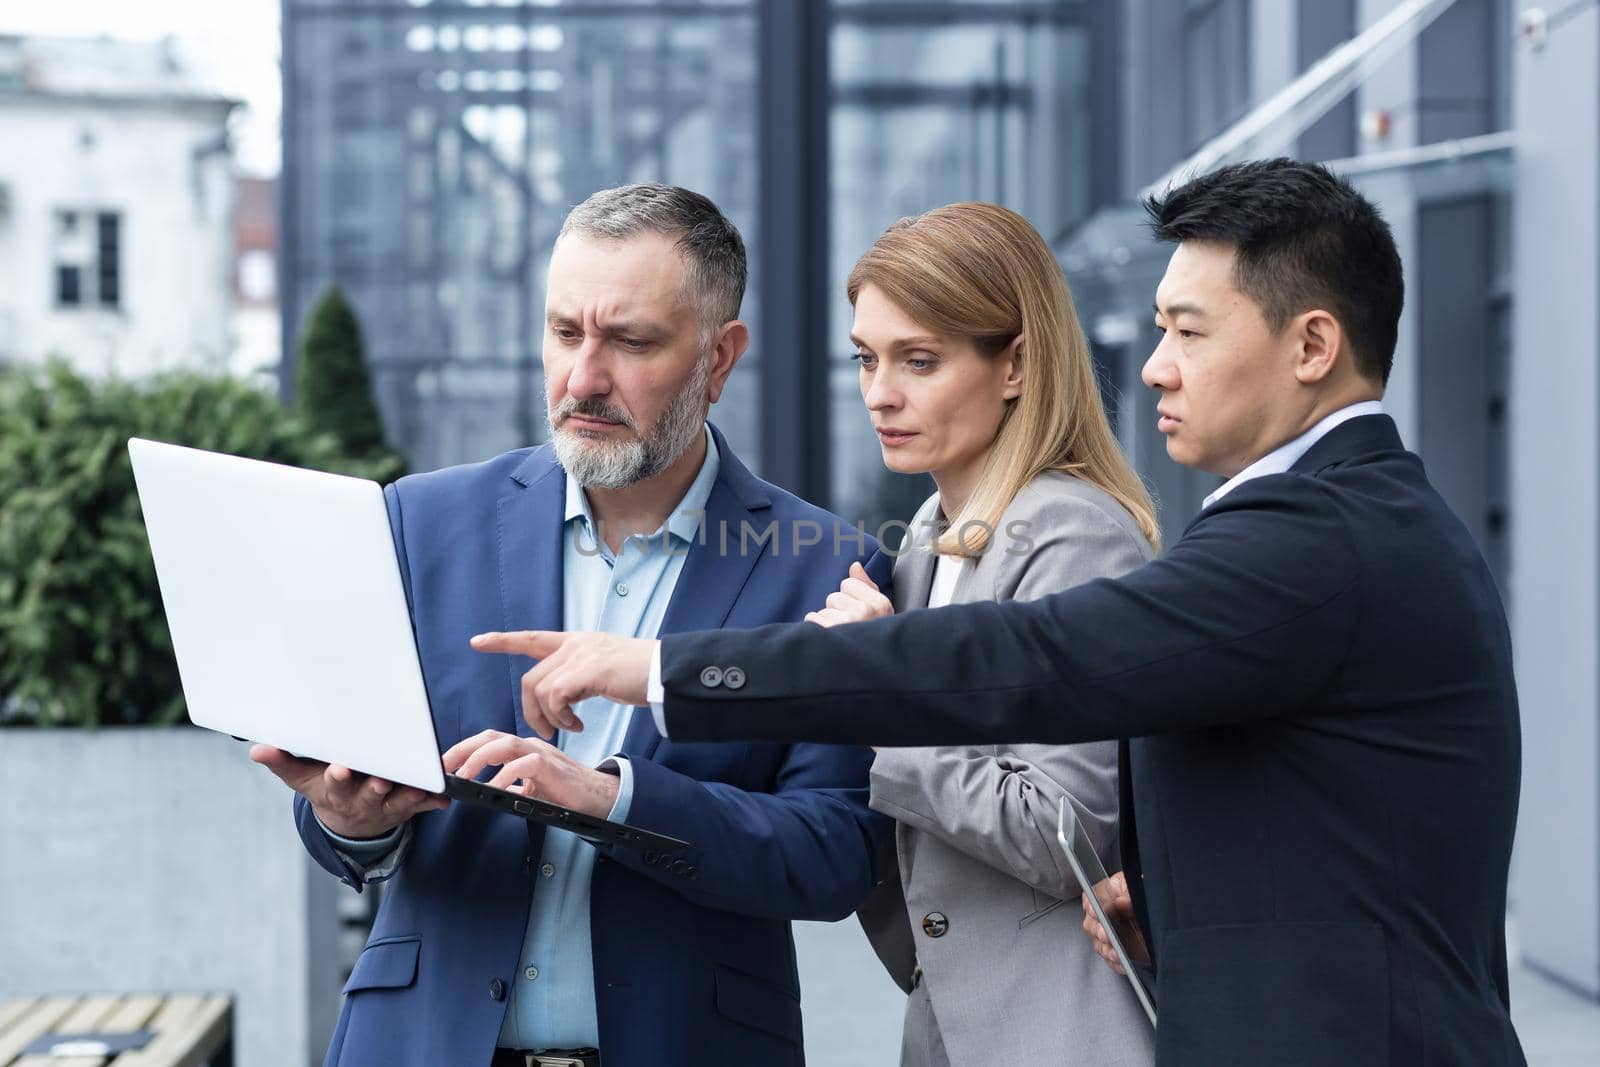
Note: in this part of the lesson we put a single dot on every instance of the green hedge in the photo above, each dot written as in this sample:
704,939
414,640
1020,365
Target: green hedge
82,636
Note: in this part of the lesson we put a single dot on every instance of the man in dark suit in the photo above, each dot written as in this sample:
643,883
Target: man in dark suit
1315,679
498,941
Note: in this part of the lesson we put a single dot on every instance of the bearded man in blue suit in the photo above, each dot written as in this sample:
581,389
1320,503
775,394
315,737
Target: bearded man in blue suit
499,942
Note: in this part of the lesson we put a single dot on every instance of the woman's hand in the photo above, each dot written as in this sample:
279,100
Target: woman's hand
857,600
1114,898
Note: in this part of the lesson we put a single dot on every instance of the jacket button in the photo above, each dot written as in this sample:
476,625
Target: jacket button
497,990
711,677
934,924
733,678
650,856
679,867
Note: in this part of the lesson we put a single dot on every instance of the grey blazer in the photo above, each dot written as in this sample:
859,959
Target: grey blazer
983,898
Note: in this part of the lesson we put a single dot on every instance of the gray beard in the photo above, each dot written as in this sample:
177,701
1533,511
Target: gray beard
597,464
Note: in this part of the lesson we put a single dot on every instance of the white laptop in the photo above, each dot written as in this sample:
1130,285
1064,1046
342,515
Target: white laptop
289,622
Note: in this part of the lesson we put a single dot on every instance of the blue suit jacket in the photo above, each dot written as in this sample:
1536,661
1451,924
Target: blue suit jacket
1326,756
693,958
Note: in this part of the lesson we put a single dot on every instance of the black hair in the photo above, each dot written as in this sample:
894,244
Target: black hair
1304,239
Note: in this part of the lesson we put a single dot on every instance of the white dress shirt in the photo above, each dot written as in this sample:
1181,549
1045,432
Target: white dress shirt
1280,459
947,571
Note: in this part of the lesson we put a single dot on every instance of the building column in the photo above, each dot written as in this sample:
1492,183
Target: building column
792,245
1555,498
1393,88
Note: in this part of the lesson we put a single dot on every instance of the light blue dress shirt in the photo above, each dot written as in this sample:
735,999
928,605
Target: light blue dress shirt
552,1003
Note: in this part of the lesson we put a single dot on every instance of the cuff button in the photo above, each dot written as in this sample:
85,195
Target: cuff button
711,677
733,678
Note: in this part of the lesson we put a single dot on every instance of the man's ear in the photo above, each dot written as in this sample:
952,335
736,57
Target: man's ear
726,348
1320,341
1015,369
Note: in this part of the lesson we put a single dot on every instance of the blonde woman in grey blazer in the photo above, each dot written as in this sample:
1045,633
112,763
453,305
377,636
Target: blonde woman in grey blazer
974,369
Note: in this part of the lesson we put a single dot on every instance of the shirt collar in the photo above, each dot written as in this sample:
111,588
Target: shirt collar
1287,455
683,522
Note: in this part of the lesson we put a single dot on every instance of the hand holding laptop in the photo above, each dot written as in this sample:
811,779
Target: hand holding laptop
347,802
358,805
290,578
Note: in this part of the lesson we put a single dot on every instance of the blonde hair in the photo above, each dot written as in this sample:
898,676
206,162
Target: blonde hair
981,272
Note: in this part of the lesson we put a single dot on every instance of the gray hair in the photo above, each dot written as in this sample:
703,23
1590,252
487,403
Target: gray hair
712,249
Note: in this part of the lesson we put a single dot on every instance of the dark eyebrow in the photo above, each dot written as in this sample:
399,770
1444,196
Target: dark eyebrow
1173,310
901,342
642,331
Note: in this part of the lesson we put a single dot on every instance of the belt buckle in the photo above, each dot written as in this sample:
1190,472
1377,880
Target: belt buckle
564,1058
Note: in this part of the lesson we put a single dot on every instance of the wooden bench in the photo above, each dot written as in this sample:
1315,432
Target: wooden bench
189,1030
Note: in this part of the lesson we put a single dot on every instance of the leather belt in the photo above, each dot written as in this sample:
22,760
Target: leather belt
546,1057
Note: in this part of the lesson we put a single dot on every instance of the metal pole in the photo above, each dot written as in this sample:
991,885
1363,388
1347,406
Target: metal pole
791,245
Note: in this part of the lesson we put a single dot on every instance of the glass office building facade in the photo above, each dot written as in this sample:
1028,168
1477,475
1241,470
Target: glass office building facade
432,151
433,147
928,107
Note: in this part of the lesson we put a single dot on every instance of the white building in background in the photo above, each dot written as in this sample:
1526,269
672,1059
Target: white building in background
116,208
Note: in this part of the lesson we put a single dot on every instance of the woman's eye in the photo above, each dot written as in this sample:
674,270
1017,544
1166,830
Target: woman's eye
920,364
866,359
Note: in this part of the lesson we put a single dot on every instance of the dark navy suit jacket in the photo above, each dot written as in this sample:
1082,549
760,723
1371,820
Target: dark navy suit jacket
693,957
1326,761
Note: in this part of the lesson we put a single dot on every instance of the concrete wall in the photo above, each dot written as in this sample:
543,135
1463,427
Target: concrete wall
1555,490
1393,88
139,858
176,232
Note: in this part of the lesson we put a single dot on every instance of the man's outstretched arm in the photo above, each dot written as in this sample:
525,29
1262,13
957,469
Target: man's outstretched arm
1250,614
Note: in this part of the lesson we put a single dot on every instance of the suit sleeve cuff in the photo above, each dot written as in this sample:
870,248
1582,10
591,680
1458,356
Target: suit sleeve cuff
376,857
624,801
656,693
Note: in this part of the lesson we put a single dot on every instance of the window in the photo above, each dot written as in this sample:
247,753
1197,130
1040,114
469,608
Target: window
1216,35
88,259
430,181
932,104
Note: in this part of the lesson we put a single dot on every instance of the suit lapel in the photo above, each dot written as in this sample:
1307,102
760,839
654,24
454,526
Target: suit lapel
529,517
1128,839
714,572
966,588
913,568
913,579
